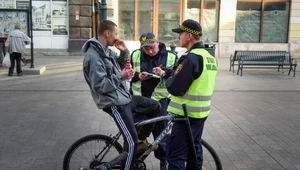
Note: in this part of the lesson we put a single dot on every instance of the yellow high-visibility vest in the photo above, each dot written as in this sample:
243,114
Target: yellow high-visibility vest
198,97
160,91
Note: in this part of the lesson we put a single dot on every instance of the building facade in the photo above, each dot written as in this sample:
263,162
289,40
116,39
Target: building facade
230,24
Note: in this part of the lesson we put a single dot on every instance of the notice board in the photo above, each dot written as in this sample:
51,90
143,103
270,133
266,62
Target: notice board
10,17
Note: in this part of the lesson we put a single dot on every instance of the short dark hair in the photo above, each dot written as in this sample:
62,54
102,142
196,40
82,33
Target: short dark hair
105,25
17,26
197,37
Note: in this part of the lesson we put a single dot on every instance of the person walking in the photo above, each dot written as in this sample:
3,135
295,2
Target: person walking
192,84
15,45
105,75
153,57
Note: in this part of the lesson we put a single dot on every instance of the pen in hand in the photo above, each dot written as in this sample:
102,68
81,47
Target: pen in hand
157,70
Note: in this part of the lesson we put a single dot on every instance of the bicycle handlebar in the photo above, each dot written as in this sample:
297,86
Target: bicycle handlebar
112,163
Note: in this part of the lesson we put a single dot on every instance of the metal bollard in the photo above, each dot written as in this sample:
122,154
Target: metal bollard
173,47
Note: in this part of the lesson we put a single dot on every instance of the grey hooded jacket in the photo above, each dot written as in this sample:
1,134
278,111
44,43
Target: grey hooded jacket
102,72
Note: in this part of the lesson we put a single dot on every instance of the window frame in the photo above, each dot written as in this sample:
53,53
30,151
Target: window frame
181,18
262,18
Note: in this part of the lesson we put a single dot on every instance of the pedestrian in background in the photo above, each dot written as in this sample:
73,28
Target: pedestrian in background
153,57
2,46
15,45
192,84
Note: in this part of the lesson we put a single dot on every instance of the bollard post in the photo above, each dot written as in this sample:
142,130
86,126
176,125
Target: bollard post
173,47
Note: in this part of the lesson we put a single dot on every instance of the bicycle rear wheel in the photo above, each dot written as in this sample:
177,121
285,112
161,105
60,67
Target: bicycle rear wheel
211,160
91,151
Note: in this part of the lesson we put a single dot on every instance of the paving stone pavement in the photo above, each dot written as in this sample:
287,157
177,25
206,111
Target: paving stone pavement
254,123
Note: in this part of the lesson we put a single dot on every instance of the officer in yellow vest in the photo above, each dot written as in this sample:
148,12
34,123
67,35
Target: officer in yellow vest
192,84
153,57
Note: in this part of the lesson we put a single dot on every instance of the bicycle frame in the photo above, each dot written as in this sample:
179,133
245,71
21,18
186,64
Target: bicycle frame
108,146
168,117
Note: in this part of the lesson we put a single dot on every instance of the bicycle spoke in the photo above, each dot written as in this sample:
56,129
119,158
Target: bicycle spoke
84,156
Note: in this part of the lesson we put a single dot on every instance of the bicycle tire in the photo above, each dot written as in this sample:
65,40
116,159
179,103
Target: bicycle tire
83,152
211,159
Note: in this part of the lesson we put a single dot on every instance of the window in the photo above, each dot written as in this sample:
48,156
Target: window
209,10
126,19
145,17
262,21
160,16
168,18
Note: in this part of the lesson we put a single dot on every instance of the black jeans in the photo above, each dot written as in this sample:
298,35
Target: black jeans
15,57
160,153
144,108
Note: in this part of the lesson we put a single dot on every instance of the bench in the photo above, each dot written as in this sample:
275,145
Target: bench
234,58
263,59
233,61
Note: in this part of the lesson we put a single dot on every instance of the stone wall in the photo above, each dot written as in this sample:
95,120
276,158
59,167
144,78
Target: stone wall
80,28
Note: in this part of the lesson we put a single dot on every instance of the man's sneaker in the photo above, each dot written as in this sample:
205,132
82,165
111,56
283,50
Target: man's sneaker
10,74
163,165
20,74
143,146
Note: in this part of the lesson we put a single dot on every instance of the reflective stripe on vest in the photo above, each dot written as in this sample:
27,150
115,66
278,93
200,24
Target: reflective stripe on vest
160,91
136,86
198,97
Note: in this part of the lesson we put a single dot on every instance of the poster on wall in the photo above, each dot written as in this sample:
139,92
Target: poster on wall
60,26
8,4
22,4
59,9
59,17
41,17
8,19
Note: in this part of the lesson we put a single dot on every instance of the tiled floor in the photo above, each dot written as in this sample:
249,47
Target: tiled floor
254,123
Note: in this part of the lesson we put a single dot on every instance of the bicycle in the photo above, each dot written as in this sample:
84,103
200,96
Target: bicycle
85,152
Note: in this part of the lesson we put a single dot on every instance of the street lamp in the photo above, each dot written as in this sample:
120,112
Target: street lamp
173,47
31,36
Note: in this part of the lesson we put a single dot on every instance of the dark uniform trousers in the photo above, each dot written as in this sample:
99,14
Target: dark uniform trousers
178,147
160,153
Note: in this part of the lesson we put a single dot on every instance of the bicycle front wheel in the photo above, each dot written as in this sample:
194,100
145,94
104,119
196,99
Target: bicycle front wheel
211,160
91,151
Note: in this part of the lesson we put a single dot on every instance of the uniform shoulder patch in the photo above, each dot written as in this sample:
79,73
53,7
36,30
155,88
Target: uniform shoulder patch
179,67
